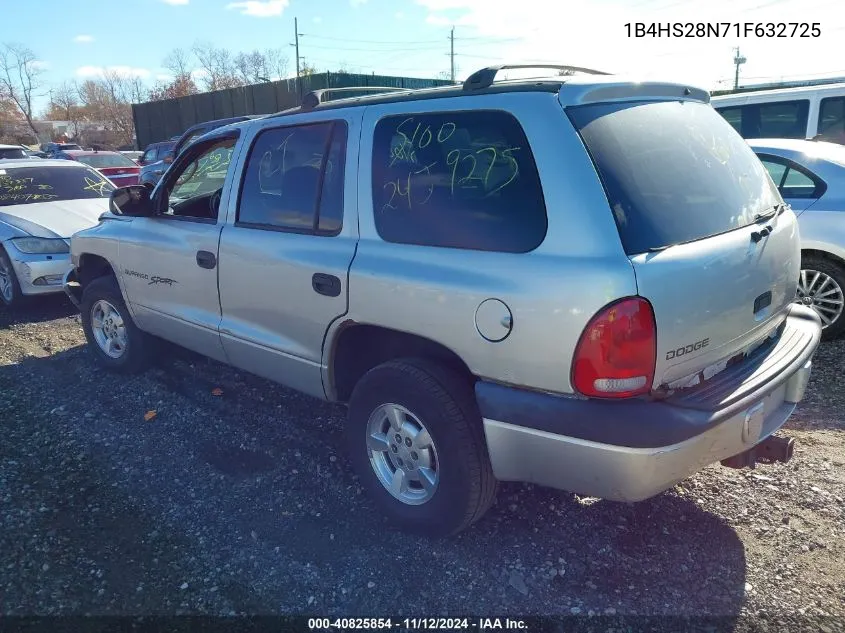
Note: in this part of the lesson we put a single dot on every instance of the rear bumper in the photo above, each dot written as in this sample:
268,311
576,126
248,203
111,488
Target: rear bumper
633,450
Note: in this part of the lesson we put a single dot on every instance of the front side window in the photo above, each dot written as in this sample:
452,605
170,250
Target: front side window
27,185
457,180
294,179
194,187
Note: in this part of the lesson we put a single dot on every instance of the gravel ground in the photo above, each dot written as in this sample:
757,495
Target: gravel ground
239,501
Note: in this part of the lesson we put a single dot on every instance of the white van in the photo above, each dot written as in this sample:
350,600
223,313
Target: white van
810,112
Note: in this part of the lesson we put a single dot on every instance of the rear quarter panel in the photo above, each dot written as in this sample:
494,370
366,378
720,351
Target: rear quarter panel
552,292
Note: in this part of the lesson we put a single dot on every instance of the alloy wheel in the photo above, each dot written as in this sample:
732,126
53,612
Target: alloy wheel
402,454
822,293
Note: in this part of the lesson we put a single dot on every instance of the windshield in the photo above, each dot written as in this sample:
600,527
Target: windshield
12,152
100,161
673,172
26,185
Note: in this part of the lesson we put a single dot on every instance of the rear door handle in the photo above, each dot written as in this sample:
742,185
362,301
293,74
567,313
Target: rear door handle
206,259
324,284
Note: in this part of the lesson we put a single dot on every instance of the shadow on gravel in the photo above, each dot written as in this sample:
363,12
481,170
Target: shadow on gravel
38,310
248,490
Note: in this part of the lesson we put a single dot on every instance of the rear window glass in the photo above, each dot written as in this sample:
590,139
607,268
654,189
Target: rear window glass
673,171
26,185
101,161
458,180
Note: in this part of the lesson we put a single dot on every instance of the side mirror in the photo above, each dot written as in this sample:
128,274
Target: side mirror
133,201
168,158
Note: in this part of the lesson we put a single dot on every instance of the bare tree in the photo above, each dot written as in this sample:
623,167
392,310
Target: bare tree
109,100
66,102
251,67
20,80
178,61
277,63
219,67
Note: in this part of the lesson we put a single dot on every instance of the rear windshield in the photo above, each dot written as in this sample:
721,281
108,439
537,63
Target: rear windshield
69,146
26,185
99,161
11,152
673,172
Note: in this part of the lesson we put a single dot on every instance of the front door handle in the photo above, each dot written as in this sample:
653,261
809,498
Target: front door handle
324,284
206,259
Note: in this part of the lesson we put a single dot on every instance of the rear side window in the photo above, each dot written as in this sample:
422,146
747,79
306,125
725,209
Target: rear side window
11,152
792,181
777,119
832,119
457,180
673,171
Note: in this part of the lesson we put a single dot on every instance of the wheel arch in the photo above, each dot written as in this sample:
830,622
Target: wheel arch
355,348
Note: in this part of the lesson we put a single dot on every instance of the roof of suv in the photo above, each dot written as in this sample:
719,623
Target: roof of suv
574,90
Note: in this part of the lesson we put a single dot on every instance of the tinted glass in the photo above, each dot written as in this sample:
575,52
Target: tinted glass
673,171
778,119
26,185
798,185
331,199
12,153
776,170
832,119
732,116
282,178
458,180
149,156
100,161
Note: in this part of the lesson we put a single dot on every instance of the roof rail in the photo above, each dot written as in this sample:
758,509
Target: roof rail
315,97
485,77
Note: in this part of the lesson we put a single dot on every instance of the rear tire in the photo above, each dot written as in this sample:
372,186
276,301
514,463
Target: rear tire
421,396
826,305
113,337
10,290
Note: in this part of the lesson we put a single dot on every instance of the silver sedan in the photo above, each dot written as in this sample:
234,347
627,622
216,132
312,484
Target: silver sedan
43,203
811,178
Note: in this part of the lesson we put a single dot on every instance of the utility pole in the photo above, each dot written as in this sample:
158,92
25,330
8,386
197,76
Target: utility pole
296,40
452,53
738,60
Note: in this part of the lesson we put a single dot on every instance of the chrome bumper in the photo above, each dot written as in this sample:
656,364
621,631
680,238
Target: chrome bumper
533,453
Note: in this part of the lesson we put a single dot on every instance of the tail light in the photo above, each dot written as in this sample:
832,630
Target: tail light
617,351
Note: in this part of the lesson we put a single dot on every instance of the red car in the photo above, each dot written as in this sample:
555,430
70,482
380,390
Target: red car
122,171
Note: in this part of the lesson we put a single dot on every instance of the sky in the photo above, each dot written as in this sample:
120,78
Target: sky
76,40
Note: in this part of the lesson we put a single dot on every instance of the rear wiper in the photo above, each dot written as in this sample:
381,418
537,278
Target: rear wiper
657,249
768,215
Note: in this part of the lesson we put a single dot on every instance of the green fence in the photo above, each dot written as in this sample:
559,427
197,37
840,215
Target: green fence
161,120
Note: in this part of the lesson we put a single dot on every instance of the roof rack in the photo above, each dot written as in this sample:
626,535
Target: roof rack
315,97
485,77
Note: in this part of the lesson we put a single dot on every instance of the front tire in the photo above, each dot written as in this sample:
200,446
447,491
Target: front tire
417,444
112,335
10,289
822,287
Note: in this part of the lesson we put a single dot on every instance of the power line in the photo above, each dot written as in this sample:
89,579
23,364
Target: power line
357,41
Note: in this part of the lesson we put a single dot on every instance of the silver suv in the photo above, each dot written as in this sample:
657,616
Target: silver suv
583,282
